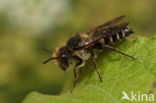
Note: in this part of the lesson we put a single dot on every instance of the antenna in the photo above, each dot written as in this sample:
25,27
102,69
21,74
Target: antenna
47,50
49,60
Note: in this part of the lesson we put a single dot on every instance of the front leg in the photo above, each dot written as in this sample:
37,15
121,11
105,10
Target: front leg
116,50
75,71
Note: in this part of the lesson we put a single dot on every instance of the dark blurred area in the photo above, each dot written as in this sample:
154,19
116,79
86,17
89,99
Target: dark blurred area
27,26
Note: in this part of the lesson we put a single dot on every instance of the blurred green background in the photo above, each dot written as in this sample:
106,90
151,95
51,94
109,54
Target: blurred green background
27,26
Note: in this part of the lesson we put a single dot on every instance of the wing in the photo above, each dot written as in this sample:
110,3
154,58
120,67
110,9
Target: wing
95,38
108,23
88,42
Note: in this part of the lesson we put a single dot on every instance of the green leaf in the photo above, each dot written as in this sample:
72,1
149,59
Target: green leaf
119,73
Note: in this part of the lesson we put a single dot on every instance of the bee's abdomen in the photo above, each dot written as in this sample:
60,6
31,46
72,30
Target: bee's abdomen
116,36
112,36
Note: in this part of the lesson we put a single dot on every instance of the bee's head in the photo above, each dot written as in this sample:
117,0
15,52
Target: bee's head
63,56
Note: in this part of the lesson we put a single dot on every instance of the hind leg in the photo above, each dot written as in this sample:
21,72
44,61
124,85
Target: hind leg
118,51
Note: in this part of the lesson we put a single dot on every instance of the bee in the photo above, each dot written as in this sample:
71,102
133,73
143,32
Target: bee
80,47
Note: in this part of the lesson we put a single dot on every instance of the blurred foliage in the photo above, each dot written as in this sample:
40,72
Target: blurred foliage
21,57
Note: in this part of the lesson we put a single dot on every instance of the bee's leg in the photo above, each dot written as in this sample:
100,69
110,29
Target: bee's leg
116,50
93,57
80,62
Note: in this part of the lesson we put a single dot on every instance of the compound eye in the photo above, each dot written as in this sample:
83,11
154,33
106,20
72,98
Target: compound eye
64,56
